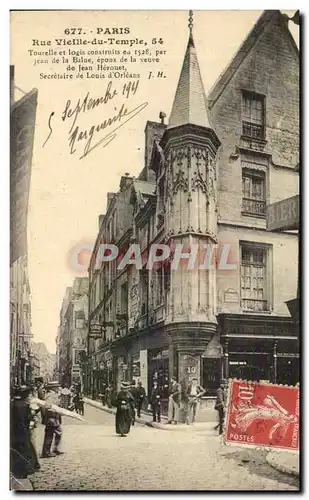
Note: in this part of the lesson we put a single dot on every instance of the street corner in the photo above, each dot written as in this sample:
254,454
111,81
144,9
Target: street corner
285,462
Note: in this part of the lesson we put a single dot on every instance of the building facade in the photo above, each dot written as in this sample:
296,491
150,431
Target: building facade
207,179
72,333
22,124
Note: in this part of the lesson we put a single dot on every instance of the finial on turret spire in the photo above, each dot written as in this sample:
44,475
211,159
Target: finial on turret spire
191,26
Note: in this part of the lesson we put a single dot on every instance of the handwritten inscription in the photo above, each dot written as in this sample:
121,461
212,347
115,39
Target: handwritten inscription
89,138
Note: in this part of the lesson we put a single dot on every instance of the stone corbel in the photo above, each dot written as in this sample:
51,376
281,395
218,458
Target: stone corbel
234,156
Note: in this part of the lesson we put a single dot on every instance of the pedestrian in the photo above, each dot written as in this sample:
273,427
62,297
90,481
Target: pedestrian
23,459
155,401
194,394
53,431
220,405
140,397
109,396
174,401
124,402
102,394
65,396
133,391
41,395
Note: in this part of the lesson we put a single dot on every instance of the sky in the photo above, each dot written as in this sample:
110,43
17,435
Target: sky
67,194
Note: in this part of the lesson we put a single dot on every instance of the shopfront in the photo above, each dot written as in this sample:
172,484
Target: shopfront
259,348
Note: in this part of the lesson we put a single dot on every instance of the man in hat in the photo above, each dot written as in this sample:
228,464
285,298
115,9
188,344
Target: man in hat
194,393
220,405
52,422
140,397
174,401
24,459
133,391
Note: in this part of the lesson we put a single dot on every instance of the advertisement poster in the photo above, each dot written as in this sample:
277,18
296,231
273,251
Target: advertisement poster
153,157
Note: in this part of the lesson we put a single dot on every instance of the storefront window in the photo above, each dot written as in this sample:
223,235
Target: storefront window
211,375
250,367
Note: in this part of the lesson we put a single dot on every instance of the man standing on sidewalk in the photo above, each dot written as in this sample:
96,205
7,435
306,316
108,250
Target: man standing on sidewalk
220,405
140,398
155,401
194,393
174,401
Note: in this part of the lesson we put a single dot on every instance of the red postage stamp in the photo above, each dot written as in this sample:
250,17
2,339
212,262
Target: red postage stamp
261,414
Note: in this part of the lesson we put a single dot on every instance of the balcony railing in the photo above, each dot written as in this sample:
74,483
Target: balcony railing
256,207
254,305
253,130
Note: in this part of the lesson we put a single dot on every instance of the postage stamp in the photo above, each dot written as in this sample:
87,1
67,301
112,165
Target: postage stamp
263,415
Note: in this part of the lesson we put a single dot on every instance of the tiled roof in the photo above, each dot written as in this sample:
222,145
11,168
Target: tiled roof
190,104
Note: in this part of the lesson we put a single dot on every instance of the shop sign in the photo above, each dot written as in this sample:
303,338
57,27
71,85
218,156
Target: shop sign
283,215
231,296
189,367
262,415
108,356
95,330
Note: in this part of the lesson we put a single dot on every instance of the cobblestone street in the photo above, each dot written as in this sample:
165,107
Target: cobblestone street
150,459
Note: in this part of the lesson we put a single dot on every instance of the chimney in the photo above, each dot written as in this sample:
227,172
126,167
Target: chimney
110,196
101,219
11,84
153,131
125,181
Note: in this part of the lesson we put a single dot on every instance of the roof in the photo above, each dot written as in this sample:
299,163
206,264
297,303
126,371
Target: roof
267,17
190,103
143,190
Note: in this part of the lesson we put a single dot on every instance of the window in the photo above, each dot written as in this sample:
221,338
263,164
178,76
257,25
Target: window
253,111
143,291
253,192
159,286
124,298
253,278
79,319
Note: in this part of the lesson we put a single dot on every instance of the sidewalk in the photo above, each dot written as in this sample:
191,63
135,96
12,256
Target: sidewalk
285,462
146,419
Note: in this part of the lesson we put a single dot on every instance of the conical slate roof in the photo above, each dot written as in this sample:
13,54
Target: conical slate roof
190,103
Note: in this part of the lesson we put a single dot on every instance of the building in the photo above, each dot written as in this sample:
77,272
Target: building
35,366
207,179
22,124
72,333
43,360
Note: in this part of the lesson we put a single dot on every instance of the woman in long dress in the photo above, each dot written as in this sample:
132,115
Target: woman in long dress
124,401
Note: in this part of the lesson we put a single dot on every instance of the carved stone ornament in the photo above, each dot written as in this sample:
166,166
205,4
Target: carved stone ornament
198,182
180,183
